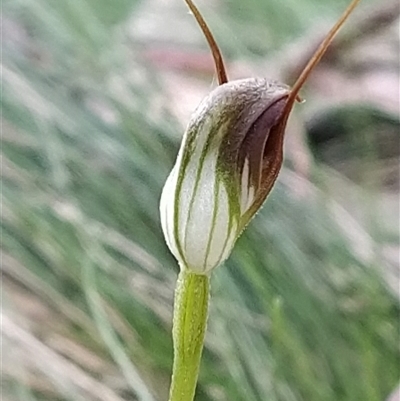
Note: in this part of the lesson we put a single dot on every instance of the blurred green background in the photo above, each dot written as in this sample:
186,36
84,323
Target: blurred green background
95,98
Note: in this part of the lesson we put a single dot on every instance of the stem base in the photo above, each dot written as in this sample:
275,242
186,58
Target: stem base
189,327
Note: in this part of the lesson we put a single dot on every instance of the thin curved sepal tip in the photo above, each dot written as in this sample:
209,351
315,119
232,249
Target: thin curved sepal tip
216,53
315,59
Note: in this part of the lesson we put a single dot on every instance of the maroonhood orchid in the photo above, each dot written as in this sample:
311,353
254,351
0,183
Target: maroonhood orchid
229,159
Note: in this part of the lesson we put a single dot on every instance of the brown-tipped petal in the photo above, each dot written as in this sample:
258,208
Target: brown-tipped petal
260,151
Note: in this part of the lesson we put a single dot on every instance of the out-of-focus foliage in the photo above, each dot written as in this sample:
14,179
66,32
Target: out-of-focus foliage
304,309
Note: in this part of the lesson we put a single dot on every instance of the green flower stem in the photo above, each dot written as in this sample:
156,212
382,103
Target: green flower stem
189,327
